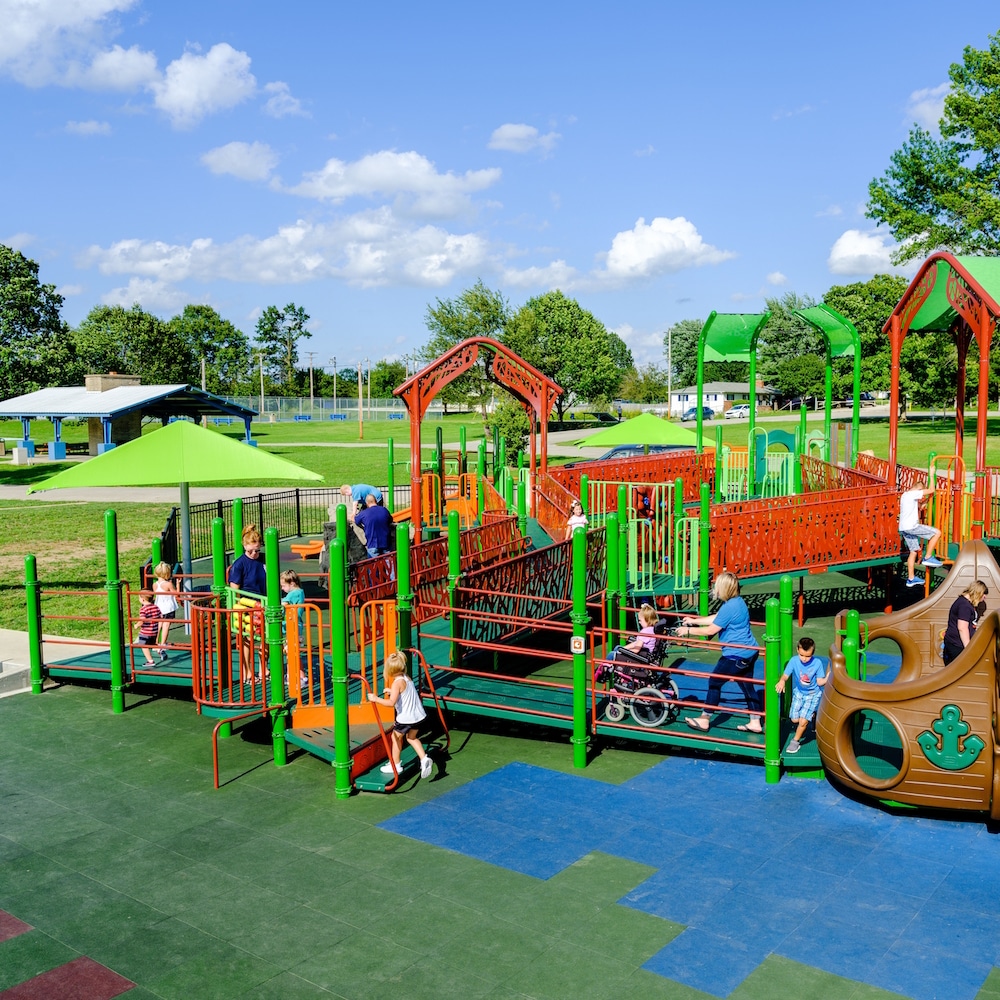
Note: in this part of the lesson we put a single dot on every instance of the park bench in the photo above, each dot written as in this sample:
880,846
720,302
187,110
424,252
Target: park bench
305,550
302,416
338,416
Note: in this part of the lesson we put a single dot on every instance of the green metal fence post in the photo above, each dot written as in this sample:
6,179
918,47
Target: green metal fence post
578,616
275,658
116,627
462,461
454,578
704,526
155,553
508,491
719,473
480,476
237,528
675,554
773,669
33,597
390,479
439,440
787,600
522,510
852,645
341,518
623,554
338,644
613,594
404,593
585,493
219,589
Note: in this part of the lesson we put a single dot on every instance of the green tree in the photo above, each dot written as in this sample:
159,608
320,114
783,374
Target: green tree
133,341
786,336
945,193
513,423
680,342
647,384
804,375
569,345
386,376
477,312
278,334
224,348
33,337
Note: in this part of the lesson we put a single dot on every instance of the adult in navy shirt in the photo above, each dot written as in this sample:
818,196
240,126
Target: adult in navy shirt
248,573
376,523
731,623
963,617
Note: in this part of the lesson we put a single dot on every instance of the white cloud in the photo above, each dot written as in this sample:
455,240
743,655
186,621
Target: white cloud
194,85
88,128
18,241
41,39
558,274
121,69
831,211
66,291
926,107
803,109
409,177
368,249
776,278
662,247
281,104
646,347
155,296
250,161
522,139
648,151
865,253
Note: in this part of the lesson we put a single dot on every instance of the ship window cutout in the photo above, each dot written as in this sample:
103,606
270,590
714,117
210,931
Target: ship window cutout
876,744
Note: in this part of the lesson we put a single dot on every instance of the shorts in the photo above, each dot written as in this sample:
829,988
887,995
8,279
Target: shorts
404,727
147,640
805,703
914,536
168,615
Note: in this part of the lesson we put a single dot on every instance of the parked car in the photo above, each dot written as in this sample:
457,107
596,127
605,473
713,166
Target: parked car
707,413
867,399
809,402
741,411
635,450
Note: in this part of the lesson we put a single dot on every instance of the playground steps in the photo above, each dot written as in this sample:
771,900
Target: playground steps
367,749
375,780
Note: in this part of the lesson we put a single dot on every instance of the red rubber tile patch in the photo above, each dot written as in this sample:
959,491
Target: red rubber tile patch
10,926
81,979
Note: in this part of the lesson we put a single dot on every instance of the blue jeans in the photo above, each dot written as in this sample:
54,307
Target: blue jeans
727,668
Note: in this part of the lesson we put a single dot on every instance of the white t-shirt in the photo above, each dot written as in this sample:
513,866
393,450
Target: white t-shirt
909,512
577,521
409,708
166,602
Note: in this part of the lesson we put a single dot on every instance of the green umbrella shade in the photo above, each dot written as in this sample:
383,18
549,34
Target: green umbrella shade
646,428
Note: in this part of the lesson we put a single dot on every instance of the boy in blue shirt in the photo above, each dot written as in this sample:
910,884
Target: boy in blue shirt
809,674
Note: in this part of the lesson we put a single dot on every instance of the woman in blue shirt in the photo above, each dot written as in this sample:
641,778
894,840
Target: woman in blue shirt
731,623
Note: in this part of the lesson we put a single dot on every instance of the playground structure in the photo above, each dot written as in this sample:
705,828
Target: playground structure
490,612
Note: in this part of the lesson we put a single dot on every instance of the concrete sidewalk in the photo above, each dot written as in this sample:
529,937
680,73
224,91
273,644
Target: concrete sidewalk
15,660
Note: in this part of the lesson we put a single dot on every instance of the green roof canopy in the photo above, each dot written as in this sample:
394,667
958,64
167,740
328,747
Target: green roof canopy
646,428
982,274
730,336
839,332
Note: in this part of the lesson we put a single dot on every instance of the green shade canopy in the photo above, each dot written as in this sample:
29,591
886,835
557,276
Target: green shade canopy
182,453
730,336
982,274
839,332
646,428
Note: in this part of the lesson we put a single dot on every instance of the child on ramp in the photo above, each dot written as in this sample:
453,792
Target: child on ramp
809,674
401,695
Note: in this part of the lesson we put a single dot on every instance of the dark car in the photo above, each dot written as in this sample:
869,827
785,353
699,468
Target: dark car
707,413
809,402
867,399
636,450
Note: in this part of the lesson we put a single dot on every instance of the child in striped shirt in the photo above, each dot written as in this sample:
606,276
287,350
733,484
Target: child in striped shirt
149,624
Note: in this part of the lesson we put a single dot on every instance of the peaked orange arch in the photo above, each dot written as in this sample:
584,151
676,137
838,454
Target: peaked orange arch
523,381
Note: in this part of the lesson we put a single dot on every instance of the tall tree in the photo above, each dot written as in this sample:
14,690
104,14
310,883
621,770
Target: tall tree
786,335
647,384
133,341
680,342
224,348
278,334
386,376
945,193
571,346
477,312
33,337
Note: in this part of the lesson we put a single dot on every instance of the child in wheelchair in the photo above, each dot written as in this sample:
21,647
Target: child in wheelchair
639,683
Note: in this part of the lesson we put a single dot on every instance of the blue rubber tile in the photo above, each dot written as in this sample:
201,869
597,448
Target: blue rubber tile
948,933
838,946
923,974
882,911
649,844
890,866
966,889
787,877
756,924
940,841
705,961
679,895
536,857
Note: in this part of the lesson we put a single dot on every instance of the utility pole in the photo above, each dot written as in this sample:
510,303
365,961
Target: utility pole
333,362
361,408
670,371
260,358
204,383
368,379
311,354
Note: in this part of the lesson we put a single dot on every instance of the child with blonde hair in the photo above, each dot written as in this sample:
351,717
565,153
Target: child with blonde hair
166,600
644,642
149,624
401,695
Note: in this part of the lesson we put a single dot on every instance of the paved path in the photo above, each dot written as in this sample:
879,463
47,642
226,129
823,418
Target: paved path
15,661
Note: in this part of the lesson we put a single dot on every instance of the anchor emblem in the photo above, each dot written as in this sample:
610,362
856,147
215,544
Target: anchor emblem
946,750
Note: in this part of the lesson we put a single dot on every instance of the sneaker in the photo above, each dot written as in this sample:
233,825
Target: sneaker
386,768
793,746
425,767
933,562
163,654
917,581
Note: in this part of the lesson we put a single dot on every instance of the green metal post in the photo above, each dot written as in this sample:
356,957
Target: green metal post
787,608
237,528
439,440
773,669
342,530
404,594
33,597
116,625
522,510
585,493
623,590
613,594
156,552
390,478
718,465
704,525
752,376
675,555
454,578
496,453
578,616
828,399
501,461
462,464
852,645
508,491
480,476
275,657
338,649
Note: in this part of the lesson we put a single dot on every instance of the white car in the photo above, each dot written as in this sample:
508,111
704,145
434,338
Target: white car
739,412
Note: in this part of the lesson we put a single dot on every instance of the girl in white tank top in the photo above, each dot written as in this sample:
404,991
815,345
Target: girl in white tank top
401,694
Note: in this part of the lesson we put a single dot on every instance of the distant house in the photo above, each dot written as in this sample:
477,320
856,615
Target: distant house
721,396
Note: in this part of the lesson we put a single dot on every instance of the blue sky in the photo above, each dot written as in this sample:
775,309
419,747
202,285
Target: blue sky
653,160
